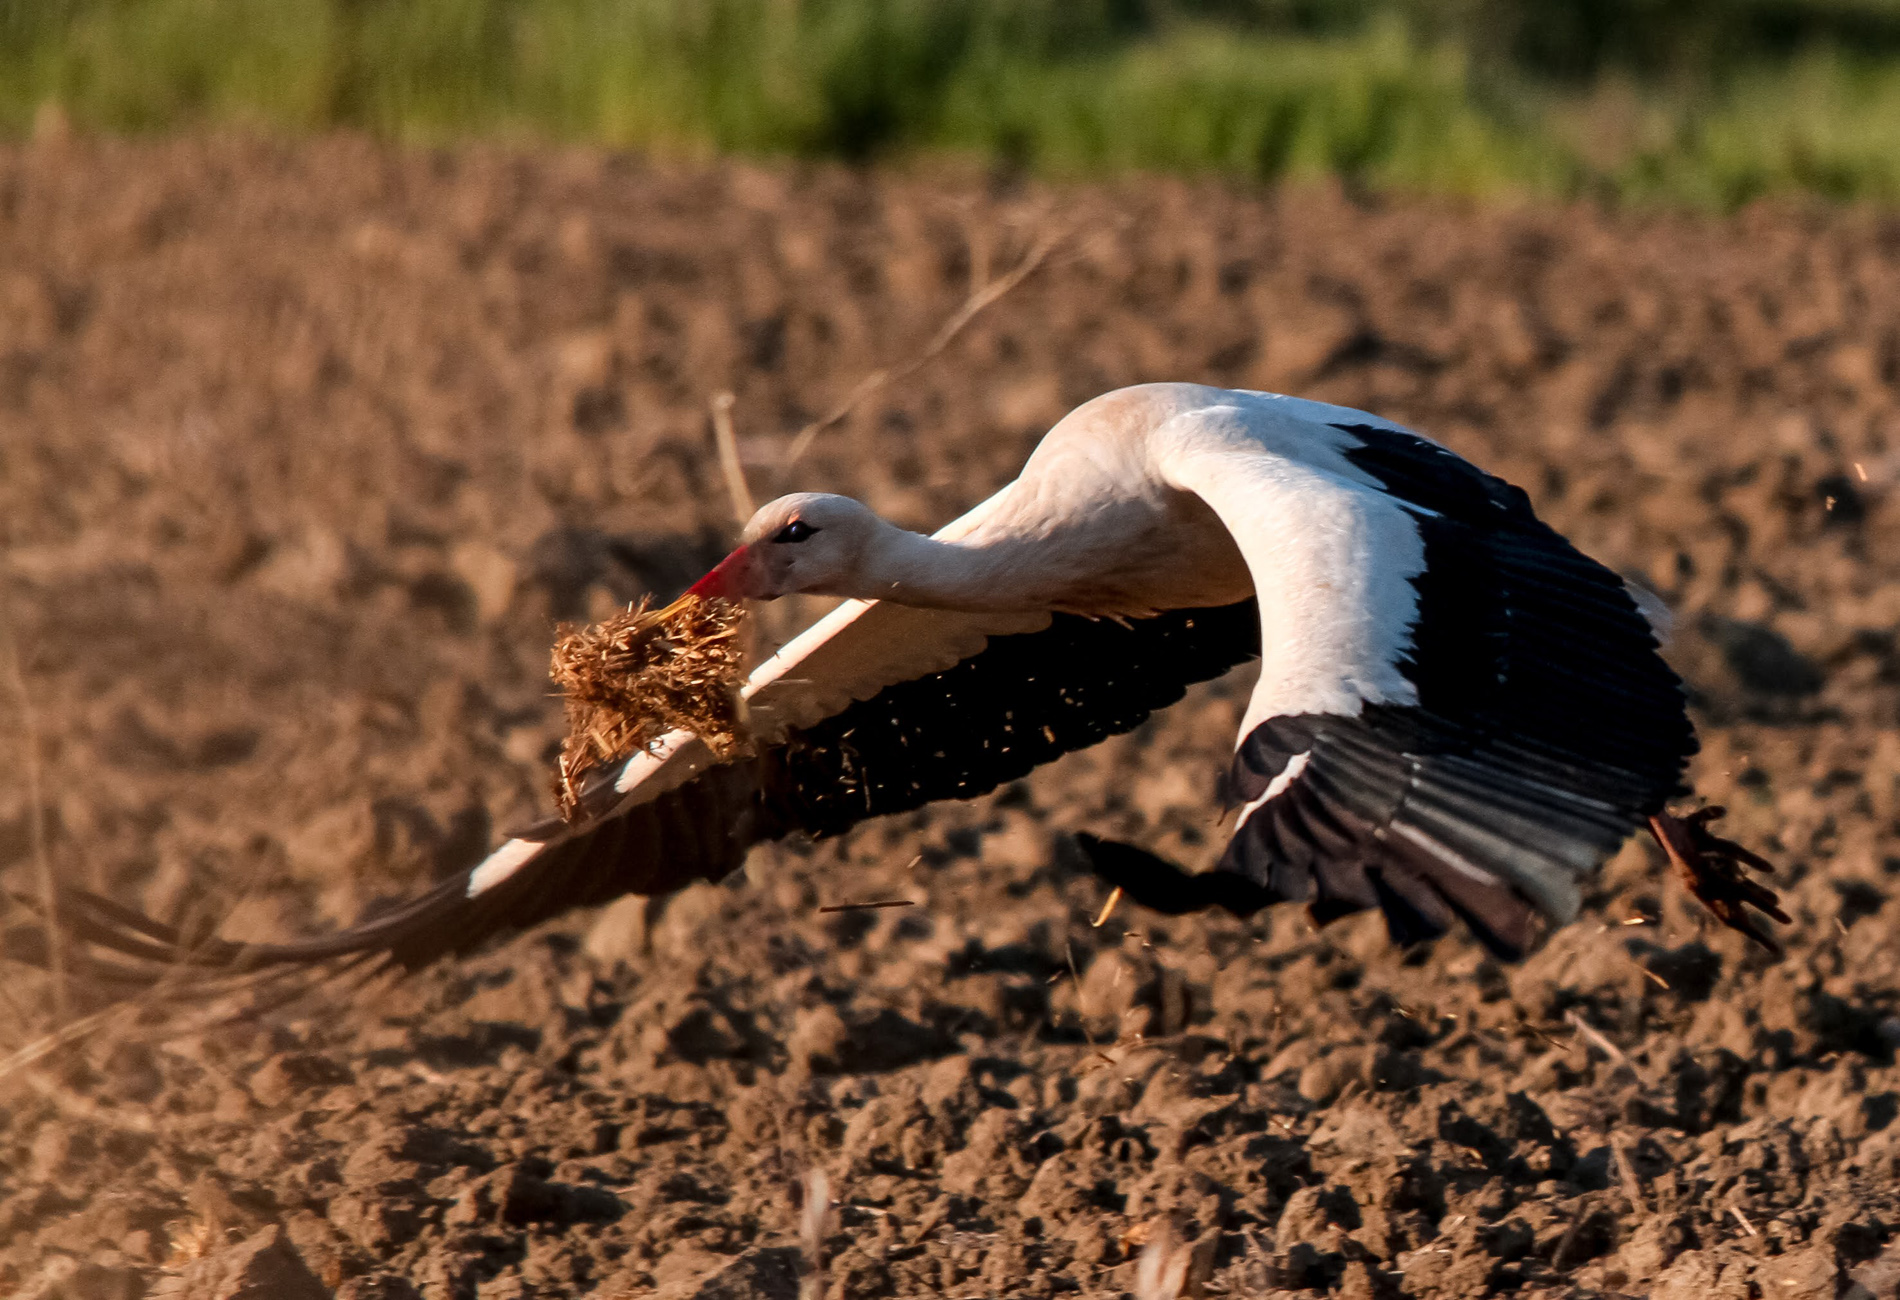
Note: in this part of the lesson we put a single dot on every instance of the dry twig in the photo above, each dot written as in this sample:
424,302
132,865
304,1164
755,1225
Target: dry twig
1162,1272
187,985
878,380
36,827
70,1032
813,1223
1602,1044
1170,1267
85,1110
1626,1173
1560,1257
1075,977
727,441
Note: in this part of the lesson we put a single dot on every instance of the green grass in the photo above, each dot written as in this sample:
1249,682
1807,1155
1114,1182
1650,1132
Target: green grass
1704,102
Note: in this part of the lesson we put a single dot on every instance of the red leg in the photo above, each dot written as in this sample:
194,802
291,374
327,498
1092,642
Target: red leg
1712,868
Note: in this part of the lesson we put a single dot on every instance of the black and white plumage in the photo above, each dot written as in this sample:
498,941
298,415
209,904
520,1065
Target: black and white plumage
1458,715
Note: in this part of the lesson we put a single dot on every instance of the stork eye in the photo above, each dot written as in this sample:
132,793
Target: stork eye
796,531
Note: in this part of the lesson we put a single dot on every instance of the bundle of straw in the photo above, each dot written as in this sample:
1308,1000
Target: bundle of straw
645,672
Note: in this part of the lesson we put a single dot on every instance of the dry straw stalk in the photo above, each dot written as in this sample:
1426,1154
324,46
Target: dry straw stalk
645,672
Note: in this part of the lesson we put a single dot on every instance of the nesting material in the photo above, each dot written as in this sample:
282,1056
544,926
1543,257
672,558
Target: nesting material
642,673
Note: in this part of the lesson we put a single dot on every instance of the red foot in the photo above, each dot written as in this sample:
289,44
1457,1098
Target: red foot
1712,869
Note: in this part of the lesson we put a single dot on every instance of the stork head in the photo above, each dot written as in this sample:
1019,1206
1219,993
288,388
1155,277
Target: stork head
808,542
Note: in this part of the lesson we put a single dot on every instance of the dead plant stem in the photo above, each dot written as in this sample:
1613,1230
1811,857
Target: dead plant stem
878,380
737,489
36,821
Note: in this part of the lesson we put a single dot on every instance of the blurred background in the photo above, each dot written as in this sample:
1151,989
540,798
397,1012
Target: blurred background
1708,102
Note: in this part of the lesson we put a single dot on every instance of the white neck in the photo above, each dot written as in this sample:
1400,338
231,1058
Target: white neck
911,569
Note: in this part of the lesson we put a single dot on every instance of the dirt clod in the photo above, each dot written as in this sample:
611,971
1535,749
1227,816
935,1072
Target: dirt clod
261,1267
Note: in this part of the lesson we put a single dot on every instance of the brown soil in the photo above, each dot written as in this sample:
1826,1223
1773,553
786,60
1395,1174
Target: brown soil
303,450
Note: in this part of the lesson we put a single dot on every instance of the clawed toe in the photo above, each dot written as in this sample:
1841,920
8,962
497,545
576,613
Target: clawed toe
1713,869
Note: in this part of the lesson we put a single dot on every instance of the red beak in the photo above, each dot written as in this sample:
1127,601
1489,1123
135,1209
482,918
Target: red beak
727,578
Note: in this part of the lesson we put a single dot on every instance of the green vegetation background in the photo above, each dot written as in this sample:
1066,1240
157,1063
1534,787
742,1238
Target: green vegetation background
1706,102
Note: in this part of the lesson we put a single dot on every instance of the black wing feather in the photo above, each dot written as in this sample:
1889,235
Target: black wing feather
1023,701
1018,703
1547,728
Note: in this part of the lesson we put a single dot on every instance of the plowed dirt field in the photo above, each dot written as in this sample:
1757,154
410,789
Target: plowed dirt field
304,449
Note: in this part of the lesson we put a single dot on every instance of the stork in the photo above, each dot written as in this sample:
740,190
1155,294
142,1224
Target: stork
1458,715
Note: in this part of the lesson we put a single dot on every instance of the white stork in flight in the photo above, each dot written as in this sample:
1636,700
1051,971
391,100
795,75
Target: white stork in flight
1458,716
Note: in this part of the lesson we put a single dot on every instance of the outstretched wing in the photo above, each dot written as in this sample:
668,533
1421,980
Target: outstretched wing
1459,714
876,709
